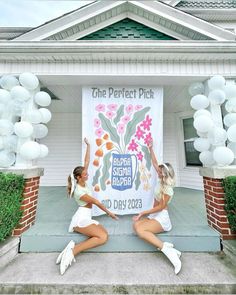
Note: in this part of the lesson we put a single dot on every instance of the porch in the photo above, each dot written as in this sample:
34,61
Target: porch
190,232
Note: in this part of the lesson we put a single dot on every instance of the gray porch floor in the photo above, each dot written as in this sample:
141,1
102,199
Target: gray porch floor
187,211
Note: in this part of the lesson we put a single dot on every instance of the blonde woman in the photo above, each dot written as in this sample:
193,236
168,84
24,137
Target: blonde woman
157,219
82,221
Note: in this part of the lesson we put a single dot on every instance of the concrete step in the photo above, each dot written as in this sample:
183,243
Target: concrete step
52,237
119,273
190,231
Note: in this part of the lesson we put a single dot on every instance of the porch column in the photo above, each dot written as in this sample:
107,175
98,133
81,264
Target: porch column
30,196
215,199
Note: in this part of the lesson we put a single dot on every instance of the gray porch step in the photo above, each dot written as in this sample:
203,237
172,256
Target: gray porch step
190,232
119,273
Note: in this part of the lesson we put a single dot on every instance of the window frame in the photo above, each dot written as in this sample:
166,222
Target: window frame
182,154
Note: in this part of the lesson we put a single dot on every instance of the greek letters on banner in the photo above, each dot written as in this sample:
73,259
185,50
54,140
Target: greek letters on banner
119,123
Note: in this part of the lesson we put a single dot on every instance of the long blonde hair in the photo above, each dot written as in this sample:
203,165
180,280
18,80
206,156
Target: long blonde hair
168,176
76,172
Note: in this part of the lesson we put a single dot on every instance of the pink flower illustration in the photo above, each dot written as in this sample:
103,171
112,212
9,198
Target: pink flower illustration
148,138
146,123
112,107
99,132
132,146
110,114
120,128
139,133
97,123
140,156
129,109
100,108
125,119
138,107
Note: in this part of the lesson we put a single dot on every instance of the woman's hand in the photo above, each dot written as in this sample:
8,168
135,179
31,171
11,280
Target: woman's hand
150,143
137,217
86,141
113,216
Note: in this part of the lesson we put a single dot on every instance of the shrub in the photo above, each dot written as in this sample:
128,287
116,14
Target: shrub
11,194
229,184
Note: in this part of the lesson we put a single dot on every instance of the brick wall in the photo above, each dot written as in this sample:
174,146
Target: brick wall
216,215
29,205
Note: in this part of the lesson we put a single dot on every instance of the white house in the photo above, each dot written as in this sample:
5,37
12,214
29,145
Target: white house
125,43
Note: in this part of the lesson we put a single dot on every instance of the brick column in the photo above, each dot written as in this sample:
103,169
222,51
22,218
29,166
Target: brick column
30,196
215,201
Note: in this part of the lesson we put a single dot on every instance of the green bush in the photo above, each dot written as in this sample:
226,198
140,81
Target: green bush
11,194
229,184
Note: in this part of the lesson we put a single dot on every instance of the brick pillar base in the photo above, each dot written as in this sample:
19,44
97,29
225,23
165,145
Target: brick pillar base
215,200
30,196
29,205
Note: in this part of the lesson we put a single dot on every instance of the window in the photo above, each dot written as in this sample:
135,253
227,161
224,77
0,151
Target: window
191,155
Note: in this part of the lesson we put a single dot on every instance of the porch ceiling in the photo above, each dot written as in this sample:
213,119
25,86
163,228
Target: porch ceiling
69,89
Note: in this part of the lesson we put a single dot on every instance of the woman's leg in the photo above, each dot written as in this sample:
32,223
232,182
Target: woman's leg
97,236
146,230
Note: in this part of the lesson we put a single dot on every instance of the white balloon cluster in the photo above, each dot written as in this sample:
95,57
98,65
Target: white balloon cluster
22,118
209,126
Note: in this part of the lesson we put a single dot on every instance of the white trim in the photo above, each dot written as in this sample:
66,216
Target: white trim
161,15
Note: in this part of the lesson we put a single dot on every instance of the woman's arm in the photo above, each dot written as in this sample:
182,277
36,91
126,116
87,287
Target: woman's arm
87,155
91,200
159,207
153,157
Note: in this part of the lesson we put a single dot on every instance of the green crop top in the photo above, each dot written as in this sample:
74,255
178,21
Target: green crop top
81,191
168,190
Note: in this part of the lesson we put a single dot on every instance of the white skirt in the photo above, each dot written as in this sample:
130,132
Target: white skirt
163,218
82,218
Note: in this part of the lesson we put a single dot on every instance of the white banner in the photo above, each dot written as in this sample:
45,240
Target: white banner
119,122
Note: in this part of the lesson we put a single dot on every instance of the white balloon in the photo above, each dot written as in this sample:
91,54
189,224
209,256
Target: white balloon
217,96
231,133
17,107
196,88
1,142
230,105
201,144
230,119
43,151
8,82
202,112
2,108
223,156
23,129
40,131
30,150
232,146
35,117
203,123
46,115
202,134
20,93
199,101
216,82
42,98
217,136
206,158
10,143
230,91
7,159
6,127
29,81
5,96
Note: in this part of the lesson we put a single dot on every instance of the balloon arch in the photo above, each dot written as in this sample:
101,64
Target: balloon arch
217,137
22,120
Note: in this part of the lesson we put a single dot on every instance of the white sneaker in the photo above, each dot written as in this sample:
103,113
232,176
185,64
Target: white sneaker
70,245
66,260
